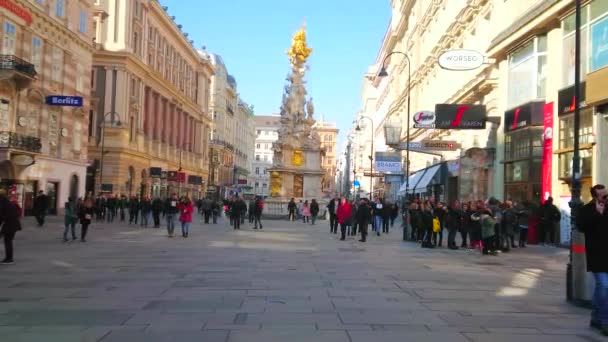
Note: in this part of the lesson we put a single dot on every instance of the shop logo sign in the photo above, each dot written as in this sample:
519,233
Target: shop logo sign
461,60
424,119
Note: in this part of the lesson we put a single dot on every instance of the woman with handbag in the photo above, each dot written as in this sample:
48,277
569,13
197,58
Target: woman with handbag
86,215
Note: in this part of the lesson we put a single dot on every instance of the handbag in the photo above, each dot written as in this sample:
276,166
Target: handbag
436,225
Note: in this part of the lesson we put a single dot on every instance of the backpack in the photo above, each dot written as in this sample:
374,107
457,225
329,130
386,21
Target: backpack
260,205
436,225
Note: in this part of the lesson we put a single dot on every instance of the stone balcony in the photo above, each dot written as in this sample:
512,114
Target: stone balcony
18,70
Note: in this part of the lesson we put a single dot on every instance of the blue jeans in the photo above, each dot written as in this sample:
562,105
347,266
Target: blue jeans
145,218
377,223
170,223
69,226
185,227
599,313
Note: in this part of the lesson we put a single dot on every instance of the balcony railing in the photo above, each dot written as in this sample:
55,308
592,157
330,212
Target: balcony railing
20,142
10,62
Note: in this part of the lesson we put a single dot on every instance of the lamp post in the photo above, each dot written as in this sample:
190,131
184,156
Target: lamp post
103,152
371,155
384,73
575,274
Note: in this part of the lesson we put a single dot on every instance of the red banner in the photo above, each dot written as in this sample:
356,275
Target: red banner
547,165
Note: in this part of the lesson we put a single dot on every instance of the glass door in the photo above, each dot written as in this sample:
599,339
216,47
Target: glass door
51,192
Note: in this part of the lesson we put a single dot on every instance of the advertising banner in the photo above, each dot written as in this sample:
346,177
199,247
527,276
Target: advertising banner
547,164
460,116
599,44
388,162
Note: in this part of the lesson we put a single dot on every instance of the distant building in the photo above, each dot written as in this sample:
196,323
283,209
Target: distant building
329,140
267,132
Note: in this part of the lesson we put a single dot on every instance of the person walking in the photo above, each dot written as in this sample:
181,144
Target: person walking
171,211
509,225
146,210
111,204
465,225
237,210
354,223
549,221
387,212
332,208
185,217
474,224
488,230
416,222
314,211
364,217
133,210
10,213
428,217
440,212
394,214
215,211
378,214
206,207
251,210
345,215
86,216
70,219
523,211
453,223
257,212
122,205
593,222
291,208
41,206
157,208
305,212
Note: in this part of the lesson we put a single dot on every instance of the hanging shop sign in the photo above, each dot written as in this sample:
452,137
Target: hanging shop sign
566,99
424,119
547,163
22,160
529,114
388,162
65,101
460,116
461,59
156,172
176,176
195,180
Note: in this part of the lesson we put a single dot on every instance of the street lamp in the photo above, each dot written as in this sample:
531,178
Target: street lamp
371,155
103,152
390,130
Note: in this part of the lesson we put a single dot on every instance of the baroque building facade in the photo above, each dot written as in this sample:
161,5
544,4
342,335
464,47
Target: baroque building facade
328,132
149,120
46,54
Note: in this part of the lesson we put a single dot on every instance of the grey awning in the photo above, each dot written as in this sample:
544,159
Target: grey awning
413,180
426,179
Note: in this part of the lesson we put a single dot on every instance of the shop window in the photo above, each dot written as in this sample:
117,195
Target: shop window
517,145
527,72
257,170
566,130
565,164
82,25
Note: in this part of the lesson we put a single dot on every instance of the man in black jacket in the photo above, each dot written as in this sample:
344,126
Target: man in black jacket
364,216
171,213
549,220
9,220
291,208
332,207
238,209
258,207
157,208
41,205
593,222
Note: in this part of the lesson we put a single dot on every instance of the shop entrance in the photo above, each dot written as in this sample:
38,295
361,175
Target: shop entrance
51,192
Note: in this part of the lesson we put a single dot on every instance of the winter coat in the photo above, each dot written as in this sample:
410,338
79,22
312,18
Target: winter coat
345,213
291,206
314,208
305,210
238,208
595,227
9,216
488,224
364,214
185,210
454,219
86,214
157,205
509,221
171,206
71,213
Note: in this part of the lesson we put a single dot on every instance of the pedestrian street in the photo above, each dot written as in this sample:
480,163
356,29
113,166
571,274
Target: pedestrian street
287,282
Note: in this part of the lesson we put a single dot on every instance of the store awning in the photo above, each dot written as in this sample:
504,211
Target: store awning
413,180
426,179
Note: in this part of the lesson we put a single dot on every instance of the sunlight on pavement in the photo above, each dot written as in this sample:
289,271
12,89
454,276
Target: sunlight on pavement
522,282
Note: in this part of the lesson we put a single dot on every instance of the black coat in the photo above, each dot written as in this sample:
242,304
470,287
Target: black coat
9,216
364,214
427,220
314,208
595,227
83,212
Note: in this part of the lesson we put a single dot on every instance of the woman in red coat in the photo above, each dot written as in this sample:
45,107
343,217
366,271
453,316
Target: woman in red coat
345,215
186,209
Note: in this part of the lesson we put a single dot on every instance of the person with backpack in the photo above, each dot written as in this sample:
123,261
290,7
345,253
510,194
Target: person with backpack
10,213
257,212
314,211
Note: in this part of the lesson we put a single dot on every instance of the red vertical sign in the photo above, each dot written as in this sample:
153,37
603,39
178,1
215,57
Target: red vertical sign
547,152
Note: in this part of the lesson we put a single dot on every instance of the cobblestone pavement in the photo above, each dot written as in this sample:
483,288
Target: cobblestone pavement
290,282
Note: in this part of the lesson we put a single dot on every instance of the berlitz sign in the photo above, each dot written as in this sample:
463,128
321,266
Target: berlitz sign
61,100
461,59
424,119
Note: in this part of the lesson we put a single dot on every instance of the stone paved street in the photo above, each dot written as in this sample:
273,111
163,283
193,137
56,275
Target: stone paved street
289,282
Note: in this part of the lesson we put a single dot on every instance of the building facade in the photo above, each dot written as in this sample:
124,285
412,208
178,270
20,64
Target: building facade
46,53
267,132
329,142
244,147
149,122
223,106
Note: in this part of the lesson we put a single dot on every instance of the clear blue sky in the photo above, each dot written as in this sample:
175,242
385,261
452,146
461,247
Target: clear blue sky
253,35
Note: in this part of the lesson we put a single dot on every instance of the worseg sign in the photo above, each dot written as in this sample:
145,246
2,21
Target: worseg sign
461,60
